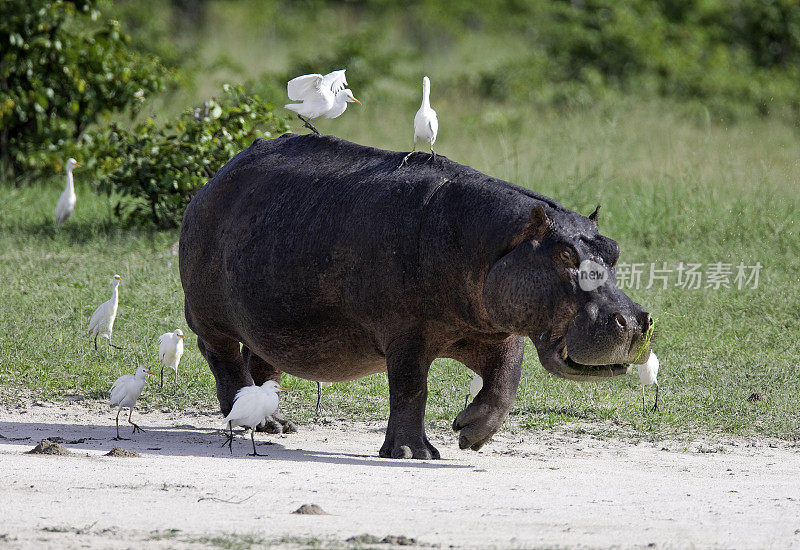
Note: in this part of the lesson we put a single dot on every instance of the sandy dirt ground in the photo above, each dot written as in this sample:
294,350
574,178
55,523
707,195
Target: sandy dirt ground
523,490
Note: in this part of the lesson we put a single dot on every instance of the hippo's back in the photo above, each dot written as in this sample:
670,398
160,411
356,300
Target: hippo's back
306,240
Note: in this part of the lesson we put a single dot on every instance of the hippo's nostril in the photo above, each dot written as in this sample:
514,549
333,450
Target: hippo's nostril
620,319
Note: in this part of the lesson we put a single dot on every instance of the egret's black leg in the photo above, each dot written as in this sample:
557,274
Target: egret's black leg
112,345
466,401
118,438
655,407
229,439
644,407
307,124
319,396
253,439
162,377
95,342
433,154
174,391
135,426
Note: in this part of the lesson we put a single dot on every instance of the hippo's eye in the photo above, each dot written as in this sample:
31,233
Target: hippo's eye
568,257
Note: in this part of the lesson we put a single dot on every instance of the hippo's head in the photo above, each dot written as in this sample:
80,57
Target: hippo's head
581,331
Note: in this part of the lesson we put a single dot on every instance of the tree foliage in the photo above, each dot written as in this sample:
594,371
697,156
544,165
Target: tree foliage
158,169
62,69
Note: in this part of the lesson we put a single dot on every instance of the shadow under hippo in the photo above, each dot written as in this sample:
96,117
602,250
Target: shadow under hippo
327,261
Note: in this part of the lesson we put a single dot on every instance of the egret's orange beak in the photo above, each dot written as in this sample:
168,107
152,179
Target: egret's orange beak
282,388
181,336
150,372
357,101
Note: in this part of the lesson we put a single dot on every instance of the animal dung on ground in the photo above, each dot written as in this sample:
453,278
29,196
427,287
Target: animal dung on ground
122,453
311,510
47,447
755,396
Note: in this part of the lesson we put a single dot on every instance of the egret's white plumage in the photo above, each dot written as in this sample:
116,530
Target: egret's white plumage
170,350
426,123
251,406
648,376
124,393
475,386
319,96
66,202
102,322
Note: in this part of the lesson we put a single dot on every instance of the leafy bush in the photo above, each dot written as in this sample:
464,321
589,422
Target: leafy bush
60,71
157,170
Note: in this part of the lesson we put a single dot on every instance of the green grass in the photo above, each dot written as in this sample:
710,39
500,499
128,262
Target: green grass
675,185
672,190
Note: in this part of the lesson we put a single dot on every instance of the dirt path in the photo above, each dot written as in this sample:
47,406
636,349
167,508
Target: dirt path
523,490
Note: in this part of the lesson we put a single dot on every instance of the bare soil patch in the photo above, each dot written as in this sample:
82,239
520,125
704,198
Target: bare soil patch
523,490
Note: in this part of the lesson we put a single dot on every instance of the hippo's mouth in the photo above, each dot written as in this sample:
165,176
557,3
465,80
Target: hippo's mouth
557,361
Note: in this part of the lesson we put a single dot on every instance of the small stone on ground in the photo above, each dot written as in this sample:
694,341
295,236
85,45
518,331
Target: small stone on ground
47,447
311,509
120,452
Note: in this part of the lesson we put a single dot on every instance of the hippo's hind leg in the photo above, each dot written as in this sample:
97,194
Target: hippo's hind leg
500,365
407,364
261,371
228,368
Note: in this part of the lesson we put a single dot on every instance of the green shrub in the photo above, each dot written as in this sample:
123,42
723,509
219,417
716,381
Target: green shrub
158,169
60,71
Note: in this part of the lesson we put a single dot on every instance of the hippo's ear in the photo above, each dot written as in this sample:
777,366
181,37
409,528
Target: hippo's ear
534,228
593,215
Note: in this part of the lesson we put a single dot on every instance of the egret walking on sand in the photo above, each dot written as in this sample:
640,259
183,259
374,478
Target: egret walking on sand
66,202
170,350
102,321
648,375
426,123
251,406
475,387
319,96
124,393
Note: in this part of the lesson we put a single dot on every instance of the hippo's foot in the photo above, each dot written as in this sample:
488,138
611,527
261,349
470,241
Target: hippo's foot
394,447
276,424
477,423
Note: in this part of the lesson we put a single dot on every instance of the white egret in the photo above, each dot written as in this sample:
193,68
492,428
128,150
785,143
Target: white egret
170,350
319,96
124,393
251,406
426,123
475,387
66,202
648,375
102,321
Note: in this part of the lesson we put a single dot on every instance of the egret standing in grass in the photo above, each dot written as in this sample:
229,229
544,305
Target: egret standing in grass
124,393
251,406
66,202
102,321
426,123
170,350
648,376
319,96
475,387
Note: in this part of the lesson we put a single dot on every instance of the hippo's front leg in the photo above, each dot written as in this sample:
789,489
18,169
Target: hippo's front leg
500,365
407,363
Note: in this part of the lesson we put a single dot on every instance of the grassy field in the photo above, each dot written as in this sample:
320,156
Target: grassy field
675,184
674,188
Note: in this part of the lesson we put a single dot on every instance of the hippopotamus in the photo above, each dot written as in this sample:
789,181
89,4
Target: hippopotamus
327,260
